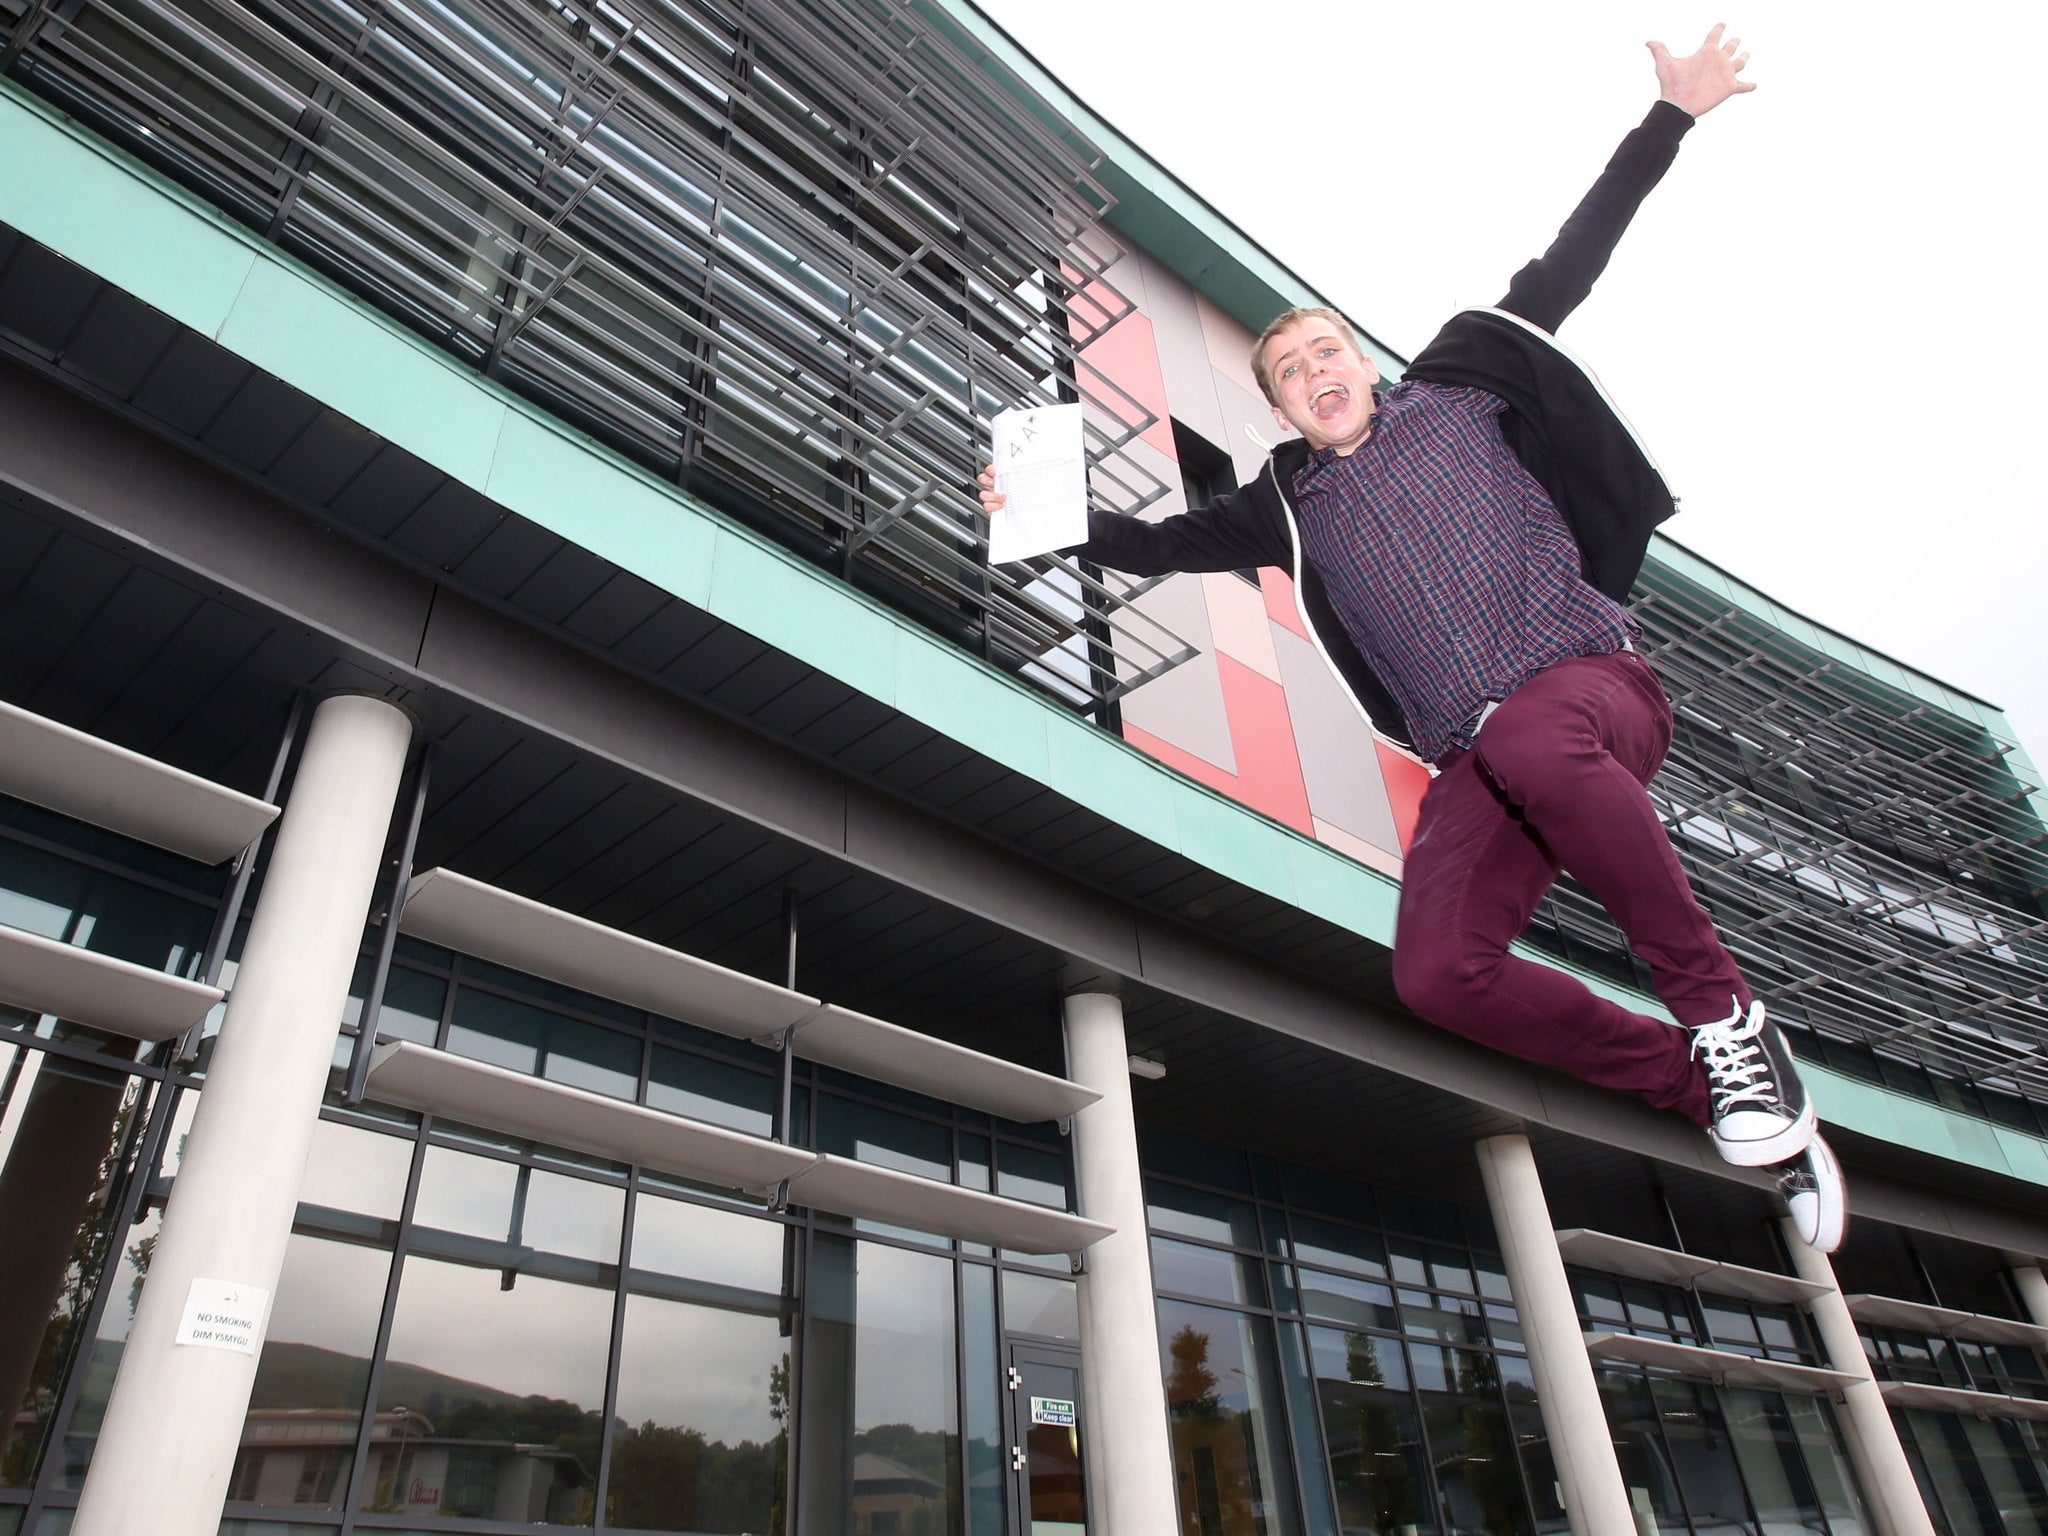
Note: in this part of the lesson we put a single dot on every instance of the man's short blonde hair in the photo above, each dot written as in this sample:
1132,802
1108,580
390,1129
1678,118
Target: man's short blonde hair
1280,323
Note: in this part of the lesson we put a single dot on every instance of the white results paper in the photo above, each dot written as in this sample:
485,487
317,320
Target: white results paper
1041,469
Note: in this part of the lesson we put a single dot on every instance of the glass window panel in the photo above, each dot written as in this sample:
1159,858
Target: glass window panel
975,1154
707,1089
1027,1173
1827,1465
1772,1460
517,1208
1449,1271
697,1242
1334,1247
1330,1194
1471,1444
885,1137
1345,1299
1187,1157
1599,1299
412,1005
1532,1442
1310,1468
510,1033
1504,1326
492,1397
1732,1327
703,1412
1199,1271
981,1351
1224,1417
1493,1279
1042,1304
1407,1261
881,1410
1199,1213
1448,1318
1372,1434
355,1170
62,1127
2011,1456
1697,1440
104,1358
298,1440
1639,1447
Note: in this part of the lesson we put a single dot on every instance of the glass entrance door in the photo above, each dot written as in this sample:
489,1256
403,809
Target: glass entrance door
1049,1493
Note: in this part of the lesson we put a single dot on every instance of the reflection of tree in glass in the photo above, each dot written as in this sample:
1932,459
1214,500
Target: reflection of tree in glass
671,1477
80,1092
1191,1386
1383,1485
1489,1462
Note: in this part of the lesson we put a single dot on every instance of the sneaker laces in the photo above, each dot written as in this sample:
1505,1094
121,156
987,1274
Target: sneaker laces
1738,1067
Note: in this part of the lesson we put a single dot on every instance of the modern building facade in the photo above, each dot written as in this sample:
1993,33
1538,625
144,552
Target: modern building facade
572,955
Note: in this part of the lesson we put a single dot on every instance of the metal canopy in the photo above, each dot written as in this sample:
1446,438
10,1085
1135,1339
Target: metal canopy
1890,1312
1978,1405
1717,1365
517,1103
45,976
444,907
1666,1266
52,765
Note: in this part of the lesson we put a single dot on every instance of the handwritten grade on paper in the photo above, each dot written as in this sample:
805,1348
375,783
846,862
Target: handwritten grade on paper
1043,472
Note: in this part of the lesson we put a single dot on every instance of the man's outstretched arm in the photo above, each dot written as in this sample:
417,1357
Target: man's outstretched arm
1557,282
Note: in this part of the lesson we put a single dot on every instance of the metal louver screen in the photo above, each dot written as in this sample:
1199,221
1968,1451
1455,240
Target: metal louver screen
792,255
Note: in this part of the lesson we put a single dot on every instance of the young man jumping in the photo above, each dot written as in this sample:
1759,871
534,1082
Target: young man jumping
1462,544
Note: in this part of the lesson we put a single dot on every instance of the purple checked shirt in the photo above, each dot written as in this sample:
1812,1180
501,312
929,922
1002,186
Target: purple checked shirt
1446,561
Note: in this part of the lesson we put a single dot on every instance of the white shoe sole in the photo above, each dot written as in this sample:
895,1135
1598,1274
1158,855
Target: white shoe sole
1831,1218
1781,1148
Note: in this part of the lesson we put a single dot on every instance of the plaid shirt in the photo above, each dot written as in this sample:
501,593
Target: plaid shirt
1446,561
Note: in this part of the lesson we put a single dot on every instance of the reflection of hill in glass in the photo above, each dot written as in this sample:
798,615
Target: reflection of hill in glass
307,1376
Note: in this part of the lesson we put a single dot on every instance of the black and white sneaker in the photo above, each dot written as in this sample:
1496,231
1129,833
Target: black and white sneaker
1813,1188
1761,1112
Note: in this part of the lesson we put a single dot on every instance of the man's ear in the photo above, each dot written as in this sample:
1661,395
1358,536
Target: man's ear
1372,369
1281,419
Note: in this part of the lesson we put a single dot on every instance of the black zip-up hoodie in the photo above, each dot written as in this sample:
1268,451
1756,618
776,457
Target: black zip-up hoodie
1559,423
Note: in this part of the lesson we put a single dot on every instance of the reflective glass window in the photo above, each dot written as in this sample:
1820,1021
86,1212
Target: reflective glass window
298,1440
1372,1434
514,1034
1230,1460
1471,1443
1201,1213
356,1171
1697,1440
1646,1469
1194,1270
704,1088
981,1348
1030,1174
880,1390
1773,1462
492,1396
1048,1305
63,1124
1348,1300
1330,1246
1827,1464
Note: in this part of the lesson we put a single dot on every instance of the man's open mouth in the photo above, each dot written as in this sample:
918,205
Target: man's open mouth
1328,401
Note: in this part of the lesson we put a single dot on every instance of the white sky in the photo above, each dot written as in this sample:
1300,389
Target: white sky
1824,322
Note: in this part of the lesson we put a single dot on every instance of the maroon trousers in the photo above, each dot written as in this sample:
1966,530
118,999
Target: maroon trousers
1557,781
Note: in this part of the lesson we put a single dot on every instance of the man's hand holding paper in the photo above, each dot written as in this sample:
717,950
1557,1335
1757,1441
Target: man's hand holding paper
1040,483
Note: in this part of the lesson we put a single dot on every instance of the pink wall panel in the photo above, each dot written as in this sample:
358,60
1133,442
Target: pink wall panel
1406,781
1280,605
1128,357
1262,735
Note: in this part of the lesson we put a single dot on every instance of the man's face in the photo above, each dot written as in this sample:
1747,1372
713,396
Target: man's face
1323,385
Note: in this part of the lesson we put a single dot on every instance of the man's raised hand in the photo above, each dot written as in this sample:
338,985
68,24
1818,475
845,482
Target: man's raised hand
1701,81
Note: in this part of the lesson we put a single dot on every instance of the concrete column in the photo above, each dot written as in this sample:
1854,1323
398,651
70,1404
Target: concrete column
1873,1439
173,1424
1581,1445
2032,1285
1130,1457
